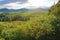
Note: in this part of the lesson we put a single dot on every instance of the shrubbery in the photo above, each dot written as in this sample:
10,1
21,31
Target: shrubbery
31,25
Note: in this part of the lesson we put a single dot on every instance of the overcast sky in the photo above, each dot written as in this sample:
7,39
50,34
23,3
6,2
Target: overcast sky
18,4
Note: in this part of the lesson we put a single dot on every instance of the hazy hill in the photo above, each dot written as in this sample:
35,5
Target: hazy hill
13,10
22,10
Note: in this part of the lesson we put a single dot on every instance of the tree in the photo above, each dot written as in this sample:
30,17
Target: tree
55,10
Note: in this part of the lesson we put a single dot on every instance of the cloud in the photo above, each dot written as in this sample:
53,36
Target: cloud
28,4
12,1
21,1
15,5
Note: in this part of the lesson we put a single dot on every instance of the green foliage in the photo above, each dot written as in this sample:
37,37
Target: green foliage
31,25
55,10
38,25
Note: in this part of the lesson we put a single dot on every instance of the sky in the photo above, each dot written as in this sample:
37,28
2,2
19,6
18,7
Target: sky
30,4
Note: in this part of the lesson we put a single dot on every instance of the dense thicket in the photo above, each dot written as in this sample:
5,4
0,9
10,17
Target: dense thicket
12,17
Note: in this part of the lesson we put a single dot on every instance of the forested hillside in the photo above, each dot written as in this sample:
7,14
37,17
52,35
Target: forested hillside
31,25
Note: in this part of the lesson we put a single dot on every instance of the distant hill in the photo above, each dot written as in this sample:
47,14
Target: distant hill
13,10
22,10
41,9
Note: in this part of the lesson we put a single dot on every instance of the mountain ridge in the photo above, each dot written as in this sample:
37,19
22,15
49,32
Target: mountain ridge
22,9
13,10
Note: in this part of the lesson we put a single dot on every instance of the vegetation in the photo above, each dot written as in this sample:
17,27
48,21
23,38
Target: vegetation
31,25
